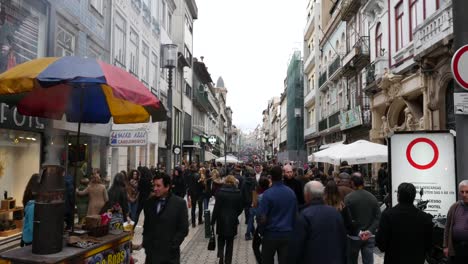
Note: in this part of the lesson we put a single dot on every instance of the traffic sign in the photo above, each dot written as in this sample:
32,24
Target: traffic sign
460,66
427,160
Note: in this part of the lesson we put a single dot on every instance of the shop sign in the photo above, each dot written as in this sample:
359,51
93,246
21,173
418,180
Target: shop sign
116,255
128,138
426,160
351,118
212,140
11,119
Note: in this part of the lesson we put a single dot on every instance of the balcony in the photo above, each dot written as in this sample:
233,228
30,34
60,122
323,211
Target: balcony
310,62
310,26
323,124
333,68
374,73
309,99
200,99
357,57
349,9
436,29
322,79
310,130
334,119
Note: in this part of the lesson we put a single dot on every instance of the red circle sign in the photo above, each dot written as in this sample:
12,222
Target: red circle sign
423,166
457,66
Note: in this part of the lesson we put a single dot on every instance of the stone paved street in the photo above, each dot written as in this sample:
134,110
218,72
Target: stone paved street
193,249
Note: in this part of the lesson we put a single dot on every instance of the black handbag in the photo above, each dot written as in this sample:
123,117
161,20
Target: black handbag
212,242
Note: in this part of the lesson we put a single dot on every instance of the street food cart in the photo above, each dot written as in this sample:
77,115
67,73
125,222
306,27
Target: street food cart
109,249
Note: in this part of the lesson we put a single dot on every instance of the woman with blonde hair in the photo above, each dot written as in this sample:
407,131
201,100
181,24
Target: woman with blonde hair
226,211
97,194
332,197
217,181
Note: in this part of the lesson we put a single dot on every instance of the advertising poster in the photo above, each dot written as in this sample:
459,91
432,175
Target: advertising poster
426,160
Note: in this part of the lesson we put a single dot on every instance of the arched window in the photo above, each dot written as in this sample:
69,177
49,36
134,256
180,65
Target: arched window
378,40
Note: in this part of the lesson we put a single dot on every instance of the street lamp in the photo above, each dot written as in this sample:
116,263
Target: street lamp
297,114
169,61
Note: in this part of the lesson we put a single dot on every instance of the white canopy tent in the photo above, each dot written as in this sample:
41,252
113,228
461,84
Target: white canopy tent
359,152
229,159
324,155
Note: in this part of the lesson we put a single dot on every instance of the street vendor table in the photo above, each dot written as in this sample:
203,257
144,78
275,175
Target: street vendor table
112,249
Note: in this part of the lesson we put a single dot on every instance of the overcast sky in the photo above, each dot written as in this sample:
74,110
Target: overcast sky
249,43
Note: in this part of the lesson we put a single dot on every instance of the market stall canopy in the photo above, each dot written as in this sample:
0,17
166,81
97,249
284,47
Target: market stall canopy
229,159
324,155
359,152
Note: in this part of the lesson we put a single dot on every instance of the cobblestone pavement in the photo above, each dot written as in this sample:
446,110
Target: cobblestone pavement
193,249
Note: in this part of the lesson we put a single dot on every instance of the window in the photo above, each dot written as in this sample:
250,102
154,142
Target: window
163,14
65,43
154,71
93,53
352,94
145,63
413,6
133,49
351,34
120,38
154,8
169,23
188,90
399,25
378,40
98,5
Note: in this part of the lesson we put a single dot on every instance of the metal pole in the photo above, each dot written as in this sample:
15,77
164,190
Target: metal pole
460,33
169,123
225,154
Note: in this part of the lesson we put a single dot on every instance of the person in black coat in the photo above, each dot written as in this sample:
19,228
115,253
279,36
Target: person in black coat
405,232
144,190
320,234
195,191
166,223
293,183
118,195
179,187
226,212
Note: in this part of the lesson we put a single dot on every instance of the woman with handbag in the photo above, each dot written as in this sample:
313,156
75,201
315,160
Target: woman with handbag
226,212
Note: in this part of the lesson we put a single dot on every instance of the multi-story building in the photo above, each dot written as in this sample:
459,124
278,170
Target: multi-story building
180,28
410,80
311,75
269,127
204,109
136,48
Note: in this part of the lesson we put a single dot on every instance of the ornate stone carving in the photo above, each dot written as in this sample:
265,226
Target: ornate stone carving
410,123
391,86
385,129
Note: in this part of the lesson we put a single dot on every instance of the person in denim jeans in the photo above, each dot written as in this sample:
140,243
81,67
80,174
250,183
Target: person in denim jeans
364,212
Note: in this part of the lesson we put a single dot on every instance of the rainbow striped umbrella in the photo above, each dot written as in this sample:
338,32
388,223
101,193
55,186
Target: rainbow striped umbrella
84,90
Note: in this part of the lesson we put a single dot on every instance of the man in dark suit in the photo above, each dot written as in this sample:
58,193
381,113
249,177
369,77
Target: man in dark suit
405,232
166,223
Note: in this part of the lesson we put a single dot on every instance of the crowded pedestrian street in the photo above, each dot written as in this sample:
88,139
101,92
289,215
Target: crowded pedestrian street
193,249
233,132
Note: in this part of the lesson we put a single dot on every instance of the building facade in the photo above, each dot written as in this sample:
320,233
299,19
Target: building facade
410,79
311,74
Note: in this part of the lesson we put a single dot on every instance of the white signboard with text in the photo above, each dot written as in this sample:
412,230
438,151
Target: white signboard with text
426,160
128,138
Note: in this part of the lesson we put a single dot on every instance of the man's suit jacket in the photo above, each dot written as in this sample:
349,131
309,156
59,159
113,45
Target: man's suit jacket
404,234
163,232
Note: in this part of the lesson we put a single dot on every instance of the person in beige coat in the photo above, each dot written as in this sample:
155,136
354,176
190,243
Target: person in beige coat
97,194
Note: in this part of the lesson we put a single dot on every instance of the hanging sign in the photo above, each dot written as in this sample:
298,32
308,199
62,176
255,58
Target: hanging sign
426,160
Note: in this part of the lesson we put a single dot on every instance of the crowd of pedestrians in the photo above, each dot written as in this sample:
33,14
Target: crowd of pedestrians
297,215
